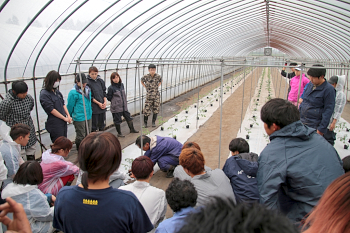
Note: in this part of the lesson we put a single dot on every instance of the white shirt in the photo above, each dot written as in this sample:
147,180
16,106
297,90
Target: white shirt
152,199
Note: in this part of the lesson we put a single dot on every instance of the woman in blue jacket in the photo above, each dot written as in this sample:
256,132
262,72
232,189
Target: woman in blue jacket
75,106
51,99
119,106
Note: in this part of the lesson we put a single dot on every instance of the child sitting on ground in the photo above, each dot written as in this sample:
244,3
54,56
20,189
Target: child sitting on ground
241,169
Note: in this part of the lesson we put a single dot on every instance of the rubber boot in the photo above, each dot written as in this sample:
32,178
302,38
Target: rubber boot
145,119
131,127
170,172
154,120
30,157
77,145
119,131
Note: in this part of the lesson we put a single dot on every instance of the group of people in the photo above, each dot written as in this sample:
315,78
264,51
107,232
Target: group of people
85,107
320,102
298,173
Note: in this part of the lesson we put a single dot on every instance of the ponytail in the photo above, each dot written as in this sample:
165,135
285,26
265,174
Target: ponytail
84,180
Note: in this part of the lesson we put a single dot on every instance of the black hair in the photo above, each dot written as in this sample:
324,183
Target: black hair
151,66
346,163
19,130
240,145
99,156
145,139
29,172
50,80
181,194
316,72
279,111
221,215
19,87
293,64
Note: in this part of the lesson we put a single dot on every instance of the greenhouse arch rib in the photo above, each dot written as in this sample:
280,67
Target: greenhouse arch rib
54,31
19,38
178,34
97,34
76,37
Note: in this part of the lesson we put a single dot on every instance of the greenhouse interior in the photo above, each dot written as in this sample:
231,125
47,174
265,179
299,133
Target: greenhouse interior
219,63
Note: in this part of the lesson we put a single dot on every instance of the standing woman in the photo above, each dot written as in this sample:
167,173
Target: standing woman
119,107
51,99
93,205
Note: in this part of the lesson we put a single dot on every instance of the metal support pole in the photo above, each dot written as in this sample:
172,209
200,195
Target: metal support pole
221,93
82,96
137,74
301,75
198,98
37,114
240,127
161,95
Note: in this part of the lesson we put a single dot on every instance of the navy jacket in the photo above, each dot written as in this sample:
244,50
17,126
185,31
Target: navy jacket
317,106
295,168
50,100
241,169
98,92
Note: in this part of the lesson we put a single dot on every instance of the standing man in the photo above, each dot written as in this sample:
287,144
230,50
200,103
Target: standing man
289,75
318,101
338,83
151,82
15,109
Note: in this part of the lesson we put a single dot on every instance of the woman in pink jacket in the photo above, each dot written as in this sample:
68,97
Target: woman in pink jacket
294,84
56,170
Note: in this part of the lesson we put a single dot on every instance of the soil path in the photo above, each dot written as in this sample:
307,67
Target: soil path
208,135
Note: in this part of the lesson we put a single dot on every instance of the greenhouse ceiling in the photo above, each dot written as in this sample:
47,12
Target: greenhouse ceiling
38,36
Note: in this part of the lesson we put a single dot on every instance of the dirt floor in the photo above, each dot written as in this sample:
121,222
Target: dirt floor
208,135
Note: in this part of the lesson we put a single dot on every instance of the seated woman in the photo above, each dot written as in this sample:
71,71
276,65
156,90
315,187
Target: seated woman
99,207
179,170
152,199
24,190
331,214
207,183
56,170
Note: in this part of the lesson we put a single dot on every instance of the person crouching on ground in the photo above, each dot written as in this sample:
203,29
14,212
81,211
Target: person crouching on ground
10,149
93,205
56,170
207,183
179,171
24,190
119,104
182,197
241,169
76,109
152,199
162,150
297,165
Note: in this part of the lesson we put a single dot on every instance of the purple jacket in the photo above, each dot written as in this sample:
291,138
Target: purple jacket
165,151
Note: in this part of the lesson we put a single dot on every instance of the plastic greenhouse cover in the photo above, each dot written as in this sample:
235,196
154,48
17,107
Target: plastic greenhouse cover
64,30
